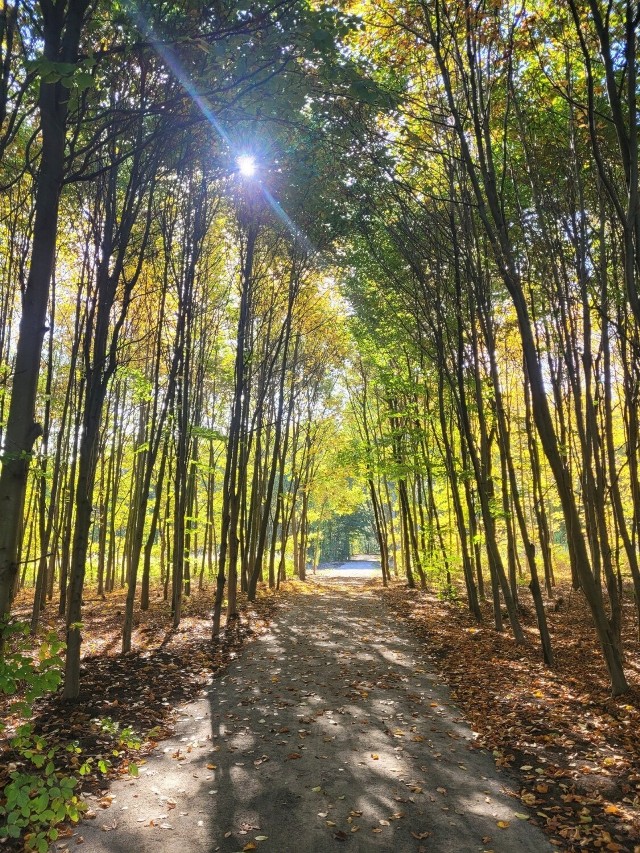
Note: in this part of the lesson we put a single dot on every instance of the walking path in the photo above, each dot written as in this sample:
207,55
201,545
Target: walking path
330,731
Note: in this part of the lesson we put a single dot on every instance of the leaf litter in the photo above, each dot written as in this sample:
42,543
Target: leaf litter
138,691
575,749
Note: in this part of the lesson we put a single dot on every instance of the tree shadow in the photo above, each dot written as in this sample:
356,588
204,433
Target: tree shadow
328,731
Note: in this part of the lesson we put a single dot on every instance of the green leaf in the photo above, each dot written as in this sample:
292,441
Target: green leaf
322,39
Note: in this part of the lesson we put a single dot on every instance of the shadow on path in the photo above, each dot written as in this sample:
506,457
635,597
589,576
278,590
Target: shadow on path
328,732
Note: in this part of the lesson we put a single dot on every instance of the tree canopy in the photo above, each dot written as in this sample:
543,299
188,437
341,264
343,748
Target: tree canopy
283,281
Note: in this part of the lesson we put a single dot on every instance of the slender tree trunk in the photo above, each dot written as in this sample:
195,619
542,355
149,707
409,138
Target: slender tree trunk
61,34
230,505
491,211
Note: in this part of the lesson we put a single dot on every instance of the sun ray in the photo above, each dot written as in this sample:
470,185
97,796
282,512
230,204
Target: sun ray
244,162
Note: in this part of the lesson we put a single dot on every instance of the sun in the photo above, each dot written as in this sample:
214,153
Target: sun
246,165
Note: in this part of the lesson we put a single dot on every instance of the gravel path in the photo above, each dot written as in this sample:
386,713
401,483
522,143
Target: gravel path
329,732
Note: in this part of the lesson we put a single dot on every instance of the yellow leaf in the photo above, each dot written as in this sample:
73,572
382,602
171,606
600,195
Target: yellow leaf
503,824
250,846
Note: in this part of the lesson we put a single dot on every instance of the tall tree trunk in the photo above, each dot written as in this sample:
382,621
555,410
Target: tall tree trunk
62,28
230,497
491,212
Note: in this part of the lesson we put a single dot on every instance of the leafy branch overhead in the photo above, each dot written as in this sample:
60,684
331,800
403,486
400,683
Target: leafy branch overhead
290,282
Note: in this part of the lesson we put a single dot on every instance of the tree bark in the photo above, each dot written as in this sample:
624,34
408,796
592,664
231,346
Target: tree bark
62,28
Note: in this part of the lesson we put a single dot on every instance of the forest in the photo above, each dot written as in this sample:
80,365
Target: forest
289,281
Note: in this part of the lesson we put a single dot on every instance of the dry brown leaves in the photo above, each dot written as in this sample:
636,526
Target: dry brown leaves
139,690
575,750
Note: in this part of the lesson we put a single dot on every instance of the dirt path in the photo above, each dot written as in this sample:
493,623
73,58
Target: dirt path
329,732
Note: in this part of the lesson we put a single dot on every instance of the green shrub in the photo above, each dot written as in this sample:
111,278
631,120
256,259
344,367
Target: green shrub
23,673
38,796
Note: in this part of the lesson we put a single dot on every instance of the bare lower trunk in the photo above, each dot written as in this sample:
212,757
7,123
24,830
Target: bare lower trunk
61,35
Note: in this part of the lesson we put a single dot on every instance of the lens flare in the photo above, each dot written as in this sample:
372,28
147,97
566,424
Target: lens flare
247,165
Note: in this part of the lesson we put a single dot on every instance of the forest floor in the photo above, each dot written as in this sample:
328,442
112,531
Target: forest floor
128,703
576,749
334,727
